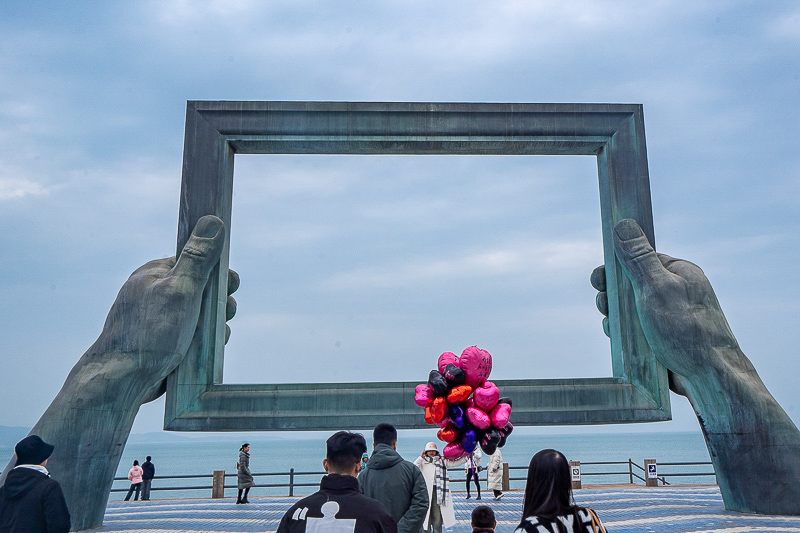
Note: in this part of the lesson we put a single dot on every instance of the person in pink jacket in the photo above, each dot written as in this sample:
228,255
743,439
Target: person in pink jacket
135,475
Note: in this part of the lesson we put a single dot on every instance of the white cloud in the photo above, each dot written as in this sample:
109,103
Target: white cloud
92,101
17,188
786,26
544,260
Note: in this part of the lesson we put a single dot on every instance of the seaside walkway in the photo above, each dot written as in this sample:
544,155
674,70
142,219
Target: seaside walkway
622,508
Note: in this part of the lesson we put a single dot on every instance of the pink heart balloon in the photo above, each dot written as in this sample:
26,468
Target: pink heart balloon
454,450
500,415
423,395
486,396
445,359
476,364
478,418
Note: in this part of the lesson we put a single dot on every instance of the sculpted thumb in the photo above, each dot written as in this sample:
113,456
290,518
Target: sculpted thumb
636,255
202,250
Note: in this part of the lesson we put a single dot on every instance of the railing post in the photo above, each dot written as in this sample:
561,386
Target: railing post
630,469
506,478
651,472
575,471
218,484
291,482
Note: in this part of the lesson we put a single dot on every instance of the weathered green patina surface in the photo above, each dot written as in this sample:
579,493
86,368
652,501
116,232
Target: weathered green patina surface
217,131
754,445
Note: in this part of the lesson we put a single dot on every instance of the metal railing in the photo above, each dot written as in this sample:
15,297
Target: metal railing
627,470
292,480
662,475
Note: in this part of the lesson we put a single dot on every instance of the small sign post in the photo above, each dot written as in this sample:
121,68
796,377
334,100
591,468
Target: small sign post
575,472
651,472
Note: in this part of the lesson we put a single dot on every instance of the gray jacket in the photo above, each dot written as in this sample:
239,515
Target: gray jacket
244,480
398,485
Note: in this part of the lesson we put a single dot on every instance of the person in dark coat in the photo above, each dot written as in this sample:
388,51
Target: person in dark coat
148,473
339,506
396,483
30,501
244,479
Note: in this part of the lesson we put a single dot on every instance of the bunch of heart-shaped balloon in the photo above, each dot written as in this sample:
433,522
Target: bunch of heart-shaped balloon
467,408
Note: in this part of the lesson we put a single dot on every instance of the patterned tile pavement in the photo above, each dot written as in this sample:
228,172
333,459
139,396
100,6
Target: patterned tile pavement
622,508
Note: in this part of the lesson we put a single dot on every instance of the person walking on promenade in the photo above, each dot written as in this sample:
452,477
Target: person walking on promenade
494,477
135,475
339,506
440,504
30,501
472,468
483,520
149,472
548,505
394,482
364,460
244,479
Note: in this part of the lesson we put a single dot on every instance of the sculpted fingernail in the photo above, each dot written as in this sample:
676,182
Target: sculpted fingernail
627,229
207,226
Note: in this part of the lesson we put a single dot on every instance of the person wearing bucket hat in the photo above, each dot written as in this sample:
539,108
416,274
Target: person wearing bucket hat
30,501
440,503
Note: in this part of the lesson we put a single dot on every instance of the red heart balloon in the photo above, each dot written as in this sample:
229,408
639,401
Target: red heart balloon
447,434
438,409
459,394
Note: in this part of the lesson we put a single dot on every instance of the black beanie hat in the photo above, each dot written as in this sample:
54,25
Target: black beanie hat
32,450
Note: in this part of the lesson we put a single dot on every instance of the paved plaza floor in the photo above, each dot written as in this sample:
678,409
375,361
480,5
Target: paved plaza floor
622,508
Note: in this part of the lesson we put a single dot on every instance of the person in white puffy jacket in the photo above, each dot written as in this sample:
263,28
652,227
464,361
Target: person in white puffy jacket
495,474
434,469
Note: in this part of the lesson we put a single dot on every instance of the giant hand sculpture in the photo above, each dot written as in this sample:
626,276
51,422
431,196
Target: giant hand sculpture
145,337
754,445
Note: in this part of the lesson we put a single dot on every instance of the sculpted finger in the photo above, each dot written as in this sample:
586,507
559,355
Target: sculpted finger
598,278
155,392
677,384
202,250
233,281
230,308
606,327
602,302
636,255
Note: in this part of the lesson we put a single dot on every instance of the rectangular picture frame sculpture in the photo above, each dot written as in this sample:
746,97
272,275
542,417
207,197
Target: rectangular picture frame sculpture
197,400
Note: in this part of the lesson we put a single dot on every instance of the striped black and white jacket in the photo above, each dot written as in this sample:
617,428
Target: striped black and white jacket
534,524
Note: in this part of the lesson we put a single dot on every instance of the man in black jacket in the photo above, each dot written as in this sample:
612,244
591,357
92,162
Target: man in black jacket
31,502
396,483
339,506
148,473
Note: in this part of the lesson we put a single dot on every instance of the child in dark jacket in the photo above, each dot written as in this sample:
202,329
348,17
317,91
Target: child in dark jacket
483,520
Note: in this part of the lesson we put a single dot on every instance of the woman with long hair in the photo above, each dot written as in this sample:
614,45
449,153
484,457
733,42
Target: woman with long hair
244,479
471,468
548,506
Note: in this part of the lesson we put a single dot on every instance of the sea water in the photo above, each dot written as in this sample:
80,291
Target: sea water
278,452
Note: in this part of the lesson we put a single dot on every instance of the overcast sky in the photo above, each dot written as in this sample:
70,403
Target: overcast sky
366,268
